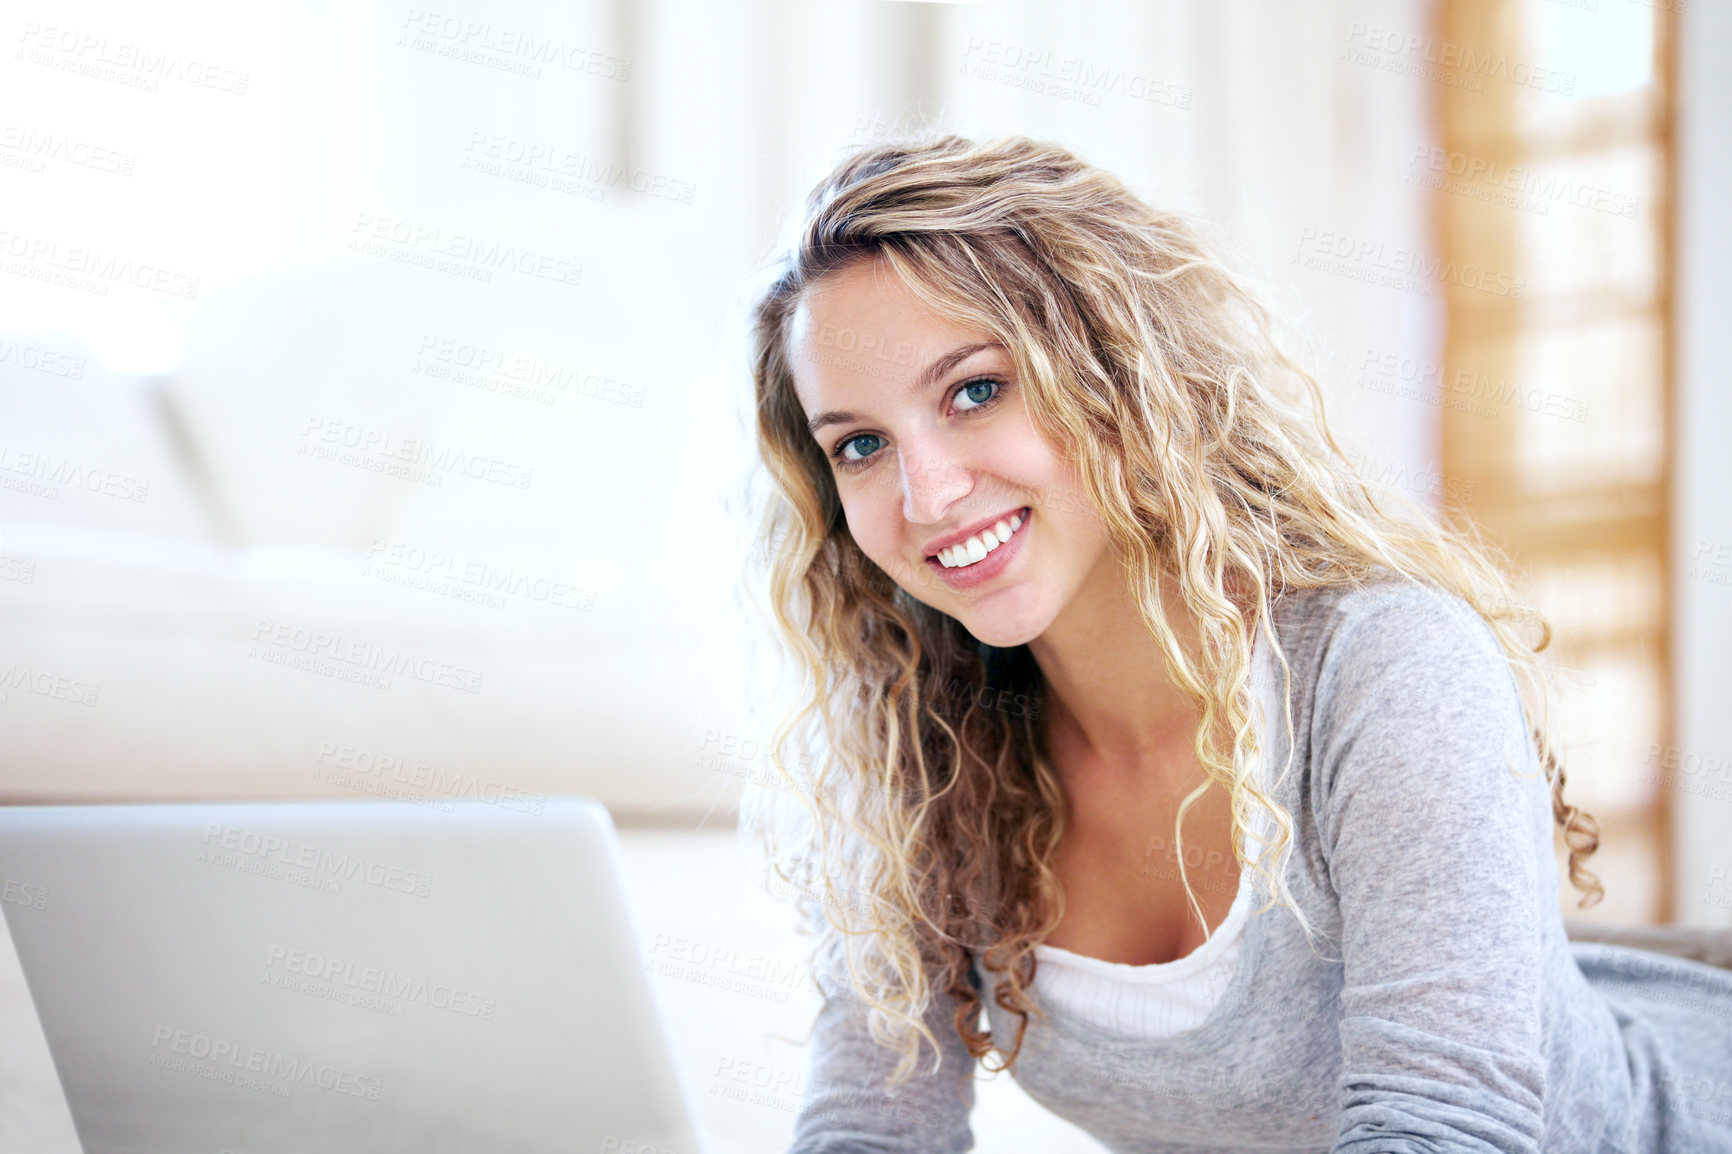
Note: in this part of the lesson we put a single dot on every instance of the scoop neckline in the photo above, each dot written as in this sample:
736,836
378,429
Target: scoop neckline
1233,924
1227,1008
1154,973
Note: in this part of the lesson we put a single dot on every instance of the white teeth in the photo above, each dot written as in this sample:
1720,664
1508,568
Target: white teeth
978,546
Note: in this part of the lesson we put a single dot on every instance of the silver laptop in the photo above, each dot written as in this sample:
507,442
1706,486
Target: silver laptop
284,977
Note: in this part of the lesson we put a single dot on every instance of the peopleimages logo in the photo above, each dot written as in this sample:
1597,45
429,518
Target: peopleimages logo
444,785
438,571
380,980
378,450
1363,258
1428,57
215,1053
31,895
273,641
286,851
1544,189
41,360
138,65
425,244
34,149
38,681
518,50
39,257
517,374
45,473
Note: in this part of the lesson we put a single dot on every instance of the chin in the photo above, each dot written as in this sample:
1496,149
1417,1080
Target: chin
1000,631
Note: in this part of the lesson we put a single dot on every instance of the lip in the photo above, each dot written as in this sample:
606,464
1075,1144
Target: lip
989,566
938,544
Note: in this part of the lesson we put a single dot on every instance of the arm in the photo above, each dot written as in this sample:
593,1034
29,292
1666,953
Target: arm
1431,847
847,1109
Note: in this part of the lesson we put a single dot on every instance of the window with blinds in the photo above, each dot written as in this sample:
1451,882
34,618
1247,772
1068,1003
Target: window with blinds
1551,191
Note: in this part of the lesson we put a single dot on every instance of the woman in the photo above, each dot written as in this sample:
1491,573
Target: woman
1263,858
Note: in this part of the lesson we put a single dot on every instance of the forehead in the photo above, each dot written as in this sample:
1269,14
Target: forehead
862,327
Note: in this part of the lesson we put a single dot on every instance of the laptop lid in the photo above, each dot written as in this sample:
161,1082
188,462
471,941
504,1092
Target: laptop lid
277,977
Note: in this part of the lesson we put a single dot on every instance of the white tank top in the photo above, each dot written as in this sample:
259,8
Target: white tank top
1167,997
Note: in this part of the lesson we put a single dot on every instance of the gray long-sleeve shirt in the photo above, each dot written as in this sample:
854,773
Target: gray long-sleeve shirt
1449,1011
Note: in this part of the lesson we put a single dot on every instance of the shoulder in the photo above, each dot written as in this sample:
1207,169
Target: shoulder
1395,670
1354,639
1413,710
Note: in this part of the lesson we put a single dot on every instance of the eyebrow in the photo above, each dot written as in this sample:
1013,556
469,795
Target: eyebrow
920,384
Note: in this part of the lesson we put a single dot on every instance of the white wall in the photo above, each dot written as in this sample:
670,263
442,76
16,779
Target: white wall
157,607
1701,764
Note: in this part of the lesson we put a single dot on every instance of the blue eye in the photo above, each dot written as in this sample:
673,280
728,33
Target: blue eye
969,392
842,449
972,397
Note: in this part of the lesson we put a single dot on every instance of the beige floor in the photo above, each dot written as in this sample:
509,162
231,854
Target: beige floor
683,885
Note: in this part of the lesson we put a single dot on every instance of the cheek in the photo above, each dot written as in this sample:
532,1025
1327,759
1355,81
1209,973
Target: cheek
878,531
873,525
1022,453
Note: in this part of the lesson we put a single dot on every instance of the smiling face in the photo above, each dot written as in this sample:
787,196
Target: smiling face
931,447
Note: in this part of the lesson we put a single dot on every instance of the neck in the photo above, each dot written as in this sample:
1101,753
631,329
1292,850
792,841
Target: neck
1114,713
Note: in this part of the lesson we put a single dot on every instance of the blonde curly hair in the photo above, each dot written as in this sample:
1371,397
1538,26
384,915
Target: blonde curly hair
932,818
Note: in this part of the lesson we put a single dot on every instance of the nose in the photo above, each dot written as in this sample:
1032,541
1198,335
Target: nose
932,480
